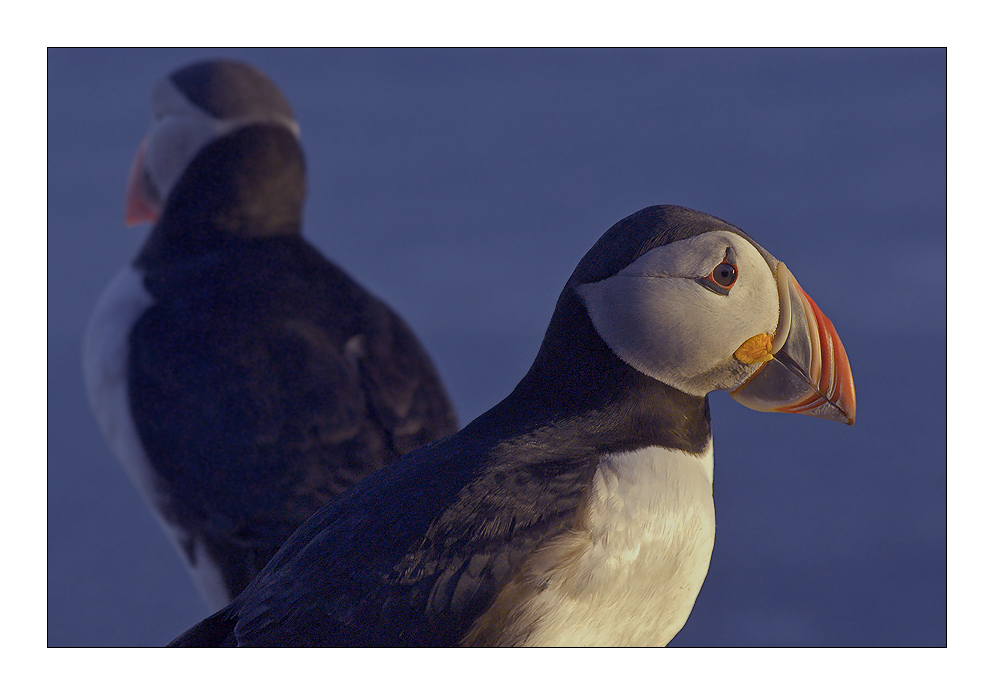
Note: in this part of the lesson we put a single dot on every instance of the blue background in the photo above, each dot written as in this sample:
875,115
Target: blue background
462,187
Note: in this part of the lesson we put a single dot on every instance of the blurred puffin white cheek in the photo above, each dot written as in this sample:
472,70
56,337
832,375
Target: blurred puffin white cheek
173,143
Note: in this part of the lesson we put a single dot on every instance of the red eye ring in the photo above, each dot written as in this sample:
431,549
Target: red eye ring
721,278
724,275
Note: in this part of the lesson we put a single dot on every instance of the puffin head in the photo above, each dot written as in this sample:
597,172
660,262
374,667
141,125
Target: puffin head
691,301
193,107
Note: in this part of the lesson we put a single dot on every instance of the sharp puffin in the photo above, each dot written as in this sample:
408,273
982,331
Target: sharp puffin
242,379
579,510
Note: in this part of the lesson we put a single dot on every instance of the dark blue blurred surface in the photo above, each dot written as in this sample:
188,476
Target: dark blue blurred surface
463,187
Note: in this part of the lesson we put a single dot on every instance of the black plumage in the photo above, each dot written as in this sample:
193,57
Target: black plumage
446,566
262,381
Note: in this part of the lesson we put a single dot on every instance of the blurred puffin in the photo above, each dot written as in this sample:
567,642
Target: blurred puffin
579,510
241,378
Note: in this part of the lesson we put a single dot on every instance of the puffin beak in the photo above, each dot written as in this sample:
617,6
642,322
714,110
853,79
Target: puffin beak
808,371
141,203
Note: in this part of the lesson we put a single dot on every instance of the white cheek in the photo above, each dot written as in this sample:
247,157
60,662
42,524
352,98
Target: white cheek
678,332
181,130
173,143
660,326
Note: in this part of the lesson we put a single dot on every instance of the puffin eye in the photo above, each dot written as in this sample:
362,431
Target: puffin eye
724,274
721,279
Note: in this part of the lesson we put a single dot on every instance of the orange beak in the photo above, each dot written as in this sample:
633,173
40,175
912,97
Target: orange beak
809,372
141,202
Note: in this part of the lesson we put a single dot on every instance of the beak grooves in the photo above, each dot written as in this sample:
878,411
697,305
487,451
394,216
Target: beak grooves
829,363
810,372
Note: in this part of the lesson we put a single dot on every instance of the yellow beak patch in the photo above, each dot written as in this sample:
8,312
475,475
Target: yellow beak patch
758,348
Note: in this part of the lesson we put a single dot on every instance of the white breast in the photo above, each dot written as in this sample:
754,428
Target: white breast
105,370
631,573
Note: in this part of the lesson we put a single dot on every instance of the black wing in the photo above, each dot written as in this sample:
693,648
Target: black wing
412,556
265,383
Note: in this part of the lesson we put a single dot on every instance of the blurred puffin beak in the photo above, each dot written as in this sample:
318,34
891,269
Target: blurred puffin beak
141,204
806,369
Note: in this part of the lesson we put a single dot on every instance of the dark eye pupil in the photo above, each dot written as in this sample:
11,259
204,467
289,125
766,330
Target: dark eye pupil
724,274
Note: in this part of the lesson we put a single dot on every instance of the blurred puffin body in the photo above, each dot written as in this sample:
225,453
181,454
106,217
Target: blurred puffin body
579,510
242,379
